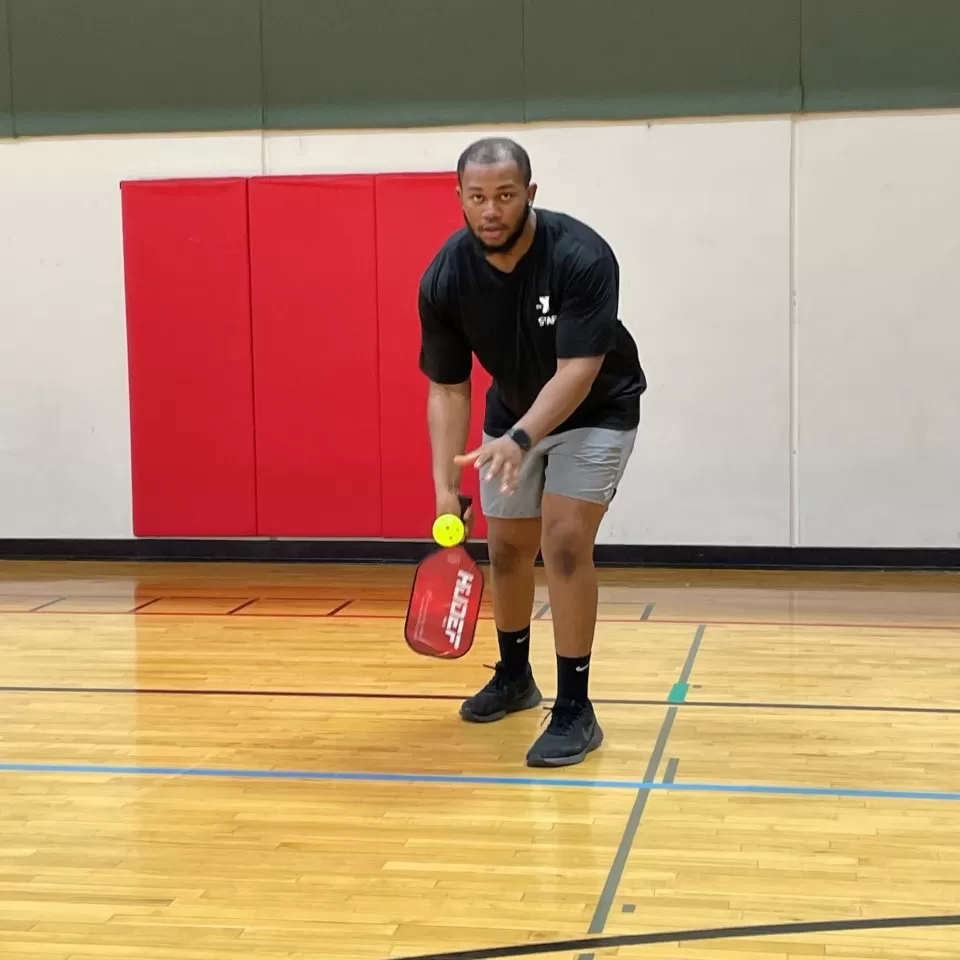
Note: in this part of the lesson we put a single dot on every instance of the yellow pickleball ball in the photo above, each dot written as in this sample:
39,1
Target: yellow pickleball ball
448,530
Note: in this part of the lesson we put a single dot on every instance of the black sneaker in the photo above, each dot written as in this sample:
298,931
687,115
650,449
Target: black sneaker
502,695
572,734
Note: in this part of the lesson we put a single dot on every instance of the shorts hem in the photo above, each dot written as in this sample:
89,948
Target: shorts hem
600,500
495,515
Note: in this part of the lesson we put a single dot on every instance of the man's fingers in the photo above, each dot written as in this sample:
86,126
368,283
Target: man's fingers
491,463
495,466
464,458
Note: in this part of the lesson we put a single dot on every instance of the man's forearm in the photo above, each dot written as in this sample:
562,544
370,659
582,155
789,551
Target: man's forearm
448,418
558,399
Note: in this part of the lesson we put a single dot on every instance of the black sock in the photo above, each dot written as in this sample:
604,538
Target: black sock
514,650
573,678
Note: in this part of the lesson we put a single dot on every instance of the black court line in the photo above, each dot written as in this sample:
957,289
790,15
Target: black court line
692,656
760,705
145,604
670,774
246,603
49,603
690,936
542,612
171,692
662,621
336,610
380,695
605,902
609,892
645,617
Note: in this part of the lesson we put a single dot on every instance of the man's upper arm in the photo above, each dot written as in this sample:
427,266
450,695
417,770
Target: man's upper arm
445,354
586,325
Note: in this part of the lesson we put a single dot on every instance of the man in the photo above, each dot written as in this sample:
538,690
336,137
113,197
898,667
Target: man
534,295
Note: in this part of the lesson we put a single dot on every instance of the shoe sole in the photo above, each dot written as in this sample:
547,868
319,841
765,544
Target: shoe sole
528,703
573,759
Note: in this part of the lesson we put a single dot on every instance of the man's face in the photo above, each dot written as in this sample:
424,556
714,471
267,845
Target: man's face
495,203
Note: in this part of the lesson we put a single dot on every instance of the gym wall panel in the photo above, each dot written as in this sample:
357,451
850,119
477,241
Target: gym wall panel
616,59
699,217
879,403
64,409
415,216
314,281
186,264
375,151
367,63
881,54
117,66
6,107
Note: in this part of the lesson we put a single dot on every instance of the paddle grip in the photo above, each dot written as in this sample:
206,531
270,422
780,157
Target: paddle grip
464,505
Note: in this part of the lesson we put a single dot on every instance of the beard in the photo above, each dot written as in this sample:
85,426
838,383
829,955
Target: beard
511,240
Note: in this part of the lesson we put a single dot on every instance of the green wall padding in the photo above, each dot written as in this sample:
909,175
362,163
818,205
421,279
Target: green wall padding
6,110
881,54
614,59
389,63
125,66
129,66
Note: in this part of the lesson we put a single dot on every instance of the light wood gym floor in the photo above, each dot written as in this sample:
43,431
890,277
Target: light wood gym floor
215,762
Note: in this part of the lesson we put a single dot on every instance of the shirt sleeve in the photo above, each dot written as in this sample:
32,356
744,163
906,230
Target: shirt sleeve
587,320
445,354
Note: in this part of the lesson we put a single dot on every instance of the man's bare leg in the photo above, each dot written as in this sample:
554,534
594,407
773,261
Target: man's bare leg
569,534
513,545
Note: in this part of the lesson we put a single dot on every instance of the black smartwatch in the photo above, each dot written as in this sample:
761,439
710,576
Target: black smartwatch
520,437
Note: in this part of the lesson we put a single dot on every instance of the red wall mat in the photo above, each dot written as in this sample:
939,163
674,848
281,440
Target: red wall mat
416,213
186,269
314,276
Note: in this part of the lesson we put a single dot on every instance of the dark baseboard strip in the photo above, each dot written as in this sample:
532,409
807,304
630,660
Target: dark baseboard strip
412,551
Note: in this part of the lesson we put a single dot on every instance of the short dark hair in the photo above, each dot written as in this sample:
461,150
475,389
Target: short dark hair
496,150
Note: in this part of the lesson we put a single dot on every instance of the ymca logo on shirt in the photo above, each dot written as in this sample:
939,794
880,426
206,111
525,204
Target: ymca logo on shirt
546,319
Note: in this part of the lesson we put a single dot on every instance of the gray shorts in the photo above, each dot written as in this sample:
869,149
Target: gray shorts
585,464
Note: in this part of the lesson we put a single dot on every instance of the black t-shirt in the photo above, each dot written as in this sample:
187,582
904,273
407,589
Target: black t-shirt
560,301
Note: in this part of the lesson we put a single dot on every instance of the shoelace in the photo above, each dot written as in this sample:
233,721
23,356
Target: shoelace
562,717
499,678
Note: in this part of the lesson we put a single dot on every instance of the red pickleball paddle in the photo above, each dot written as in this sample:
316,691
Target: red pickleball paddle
444,602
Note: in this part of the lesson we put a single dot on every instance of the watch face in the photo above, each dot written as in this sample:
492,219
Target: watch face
520,438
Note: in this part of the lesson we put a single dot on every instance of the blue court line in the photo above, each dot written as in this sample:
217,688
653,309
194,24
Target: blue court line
227,773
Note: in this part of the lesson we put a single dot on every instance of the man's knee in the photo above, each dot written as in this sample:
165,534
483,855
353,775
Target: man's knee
513,546
505,557
567,545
